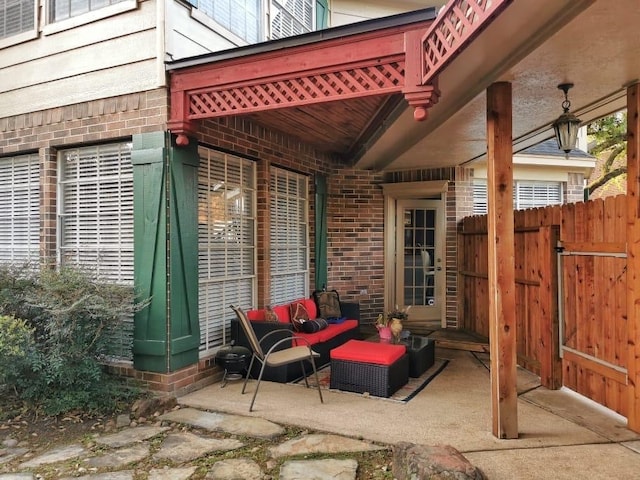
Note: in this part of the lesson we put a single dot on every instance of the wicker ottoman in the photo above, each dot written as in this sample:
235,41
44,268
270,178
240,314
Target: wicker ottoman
377,368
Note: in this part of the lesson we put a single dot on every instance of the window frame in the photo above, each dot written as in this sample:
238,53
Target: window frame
300,227
210,282
24,36
52,27
480,186
121,344
22,187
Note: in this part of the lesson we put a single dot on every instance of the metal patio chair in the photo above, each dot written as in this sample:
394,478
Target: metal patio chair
273,357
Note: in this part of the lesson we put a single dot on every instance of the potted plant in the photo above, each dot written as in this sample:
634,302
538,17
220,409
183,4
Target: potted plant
389,324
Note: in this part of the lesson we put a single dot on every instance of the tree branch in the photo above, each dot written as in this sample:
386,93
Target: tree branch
606,177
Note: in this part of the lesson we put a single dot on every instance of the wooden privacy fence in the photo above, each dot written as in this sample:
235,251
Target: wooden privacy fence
570,270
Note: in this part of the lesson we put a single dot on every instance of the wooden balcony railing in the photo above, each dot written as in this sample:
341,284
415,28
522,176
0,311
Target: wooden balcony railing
457,24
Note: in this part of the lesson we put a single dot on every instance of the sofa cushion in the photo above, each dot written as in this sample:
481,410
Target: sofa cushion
256,315
326,334
368,352
282,311
312,338
336,329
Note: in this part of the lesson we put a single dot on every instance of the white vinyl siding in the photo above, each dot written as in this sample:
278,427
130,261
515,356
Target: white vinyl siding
291,17
289,237
63,9
16,16
20,212
226,243
95,219
526,194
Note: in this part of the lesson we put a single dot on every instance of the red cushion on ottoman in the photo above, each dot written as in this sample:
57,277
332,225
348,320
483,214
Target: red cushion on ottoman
368,352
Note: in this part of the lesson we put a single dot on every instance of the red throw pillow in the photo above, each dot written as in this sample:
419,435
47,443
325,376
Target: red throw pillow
299,315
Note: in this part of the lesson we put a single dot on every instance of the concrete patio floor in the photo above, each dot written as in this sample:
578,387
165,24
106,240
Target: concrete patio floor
561,436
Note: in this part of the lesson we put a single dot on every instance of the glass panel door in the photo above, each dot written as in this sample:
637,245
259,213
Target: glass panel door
419,259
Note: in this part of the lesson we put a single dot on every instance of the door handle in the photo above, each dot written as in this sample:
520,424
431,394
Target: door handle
438,268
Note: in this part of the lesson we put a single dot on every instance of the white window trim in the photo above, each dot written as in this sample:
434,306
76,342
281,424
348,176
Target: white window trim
23,36
89,17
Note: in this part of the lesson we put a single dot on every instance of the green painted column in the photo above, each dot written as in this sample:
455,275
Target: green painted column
321,232
166,332
183,238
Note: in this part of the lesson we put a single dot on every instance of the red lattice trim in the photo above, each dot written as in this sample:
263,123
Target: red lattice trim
300,90
456,25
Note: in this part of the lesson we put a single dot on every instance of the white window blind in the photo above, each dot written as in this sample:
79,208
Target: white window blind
95,219
241,17
63,9
525,195
226,242
20,212
289,254
537,194
291,17
16,16
479,197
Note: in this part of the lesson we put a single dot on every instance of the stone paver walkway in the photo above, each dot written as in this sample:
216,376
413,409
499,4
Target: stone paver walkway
187,444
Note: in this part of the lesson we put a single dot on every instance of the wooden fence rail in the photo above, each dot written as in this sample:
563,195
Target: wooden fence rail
570,294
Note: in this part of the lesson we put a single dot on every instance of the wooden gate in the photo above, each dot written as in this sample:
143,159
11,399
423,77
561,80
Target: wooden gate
592,284
570,266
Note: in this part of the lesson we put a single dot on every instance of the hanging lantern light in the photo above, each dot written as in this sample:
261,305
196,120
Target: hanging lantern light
567,125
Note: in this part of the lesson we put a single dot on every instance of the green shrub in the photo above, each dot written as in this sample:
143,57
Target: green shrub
71,314
16,344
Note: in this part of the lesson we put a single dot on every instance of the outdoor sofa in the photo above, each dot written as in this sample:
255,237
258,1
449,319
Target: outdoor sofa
334,334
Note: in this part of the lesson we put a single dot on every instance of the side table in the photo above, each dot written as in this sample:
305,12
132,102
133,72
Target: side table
421,352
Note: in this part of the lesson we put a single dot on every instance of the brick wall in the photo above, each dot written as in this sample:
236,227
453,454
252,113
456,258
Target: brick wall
356,239
356,216
575,188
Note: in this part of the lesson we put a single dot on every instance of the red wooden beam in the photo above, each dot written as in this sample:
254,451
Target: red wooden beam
378,62
367,64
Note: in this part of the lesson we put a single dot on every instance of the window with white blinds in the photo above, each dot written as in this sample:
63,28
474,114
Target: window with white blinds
291,17
226,242
20,212
95,219
525,195
479,197
289,237
241,17
16,16
63,9
537,194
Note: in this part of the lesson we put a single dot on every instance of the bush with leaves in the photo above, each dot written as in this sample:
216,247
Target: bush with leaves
71,314
16,345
